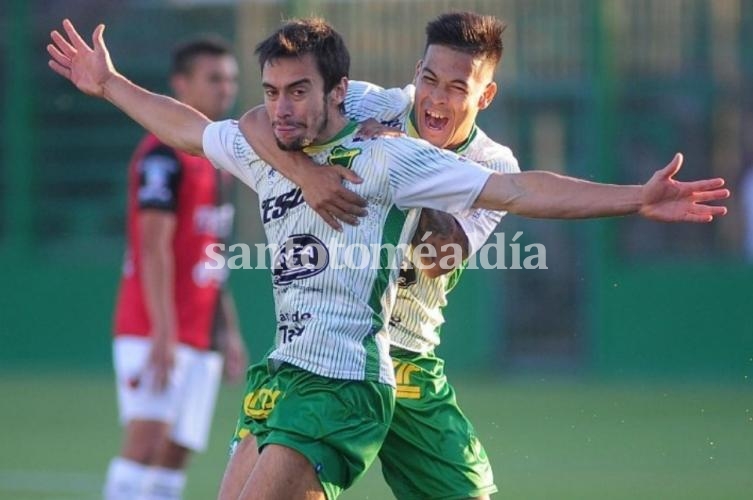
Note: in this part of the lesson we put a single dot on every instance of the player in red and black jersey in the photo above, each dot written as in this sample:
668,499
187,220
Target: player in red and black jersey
174,323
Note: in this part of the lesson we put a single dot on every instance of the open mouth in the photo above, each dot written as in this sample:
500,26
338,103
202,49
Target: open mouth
435,121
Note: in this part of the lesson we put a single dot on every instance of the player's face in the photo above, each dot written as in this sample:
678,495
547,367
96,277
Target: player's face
211,86
296,103
451,88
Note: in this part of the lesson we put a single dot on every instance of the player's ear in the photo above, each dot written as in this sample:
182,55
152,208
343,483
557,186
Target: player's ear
488,95
178,84
418,70
338,92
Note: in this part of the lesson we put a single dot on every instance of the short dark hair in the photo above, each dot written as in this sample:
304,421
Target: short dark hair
469,32
185,54
298,37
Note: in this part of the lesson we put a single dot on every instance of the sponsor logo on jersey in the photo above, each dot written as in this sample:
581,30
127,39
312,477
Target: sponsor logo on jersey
204,275
156,171
295,317
301,257
407,276
290,326
276,207
394,123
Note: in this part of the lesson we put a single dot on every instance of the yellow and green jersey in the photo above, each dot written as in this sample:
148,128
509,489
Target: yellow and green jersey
417,315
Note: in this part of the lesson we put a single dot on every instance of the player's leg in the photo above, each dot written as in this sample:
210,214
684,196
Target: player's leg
243,457
146,414
431,451
124,479
282,473
128,471
142,439
167,478
316,435
196,399
243,446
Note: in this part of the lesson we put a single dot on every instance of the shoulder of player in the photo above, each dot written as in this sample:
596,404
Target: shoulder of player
156,154
363,88
367,100
151,145
492,154
382,150
241,148
394,143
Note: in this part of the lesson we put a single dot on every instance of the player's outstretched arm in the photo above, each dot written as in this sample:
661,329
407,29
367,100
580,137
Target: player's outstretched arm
321,187
547,195
91,70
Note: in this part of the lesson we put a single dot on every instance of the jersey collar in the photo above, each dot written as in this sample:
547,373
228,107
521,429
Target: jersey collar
348,129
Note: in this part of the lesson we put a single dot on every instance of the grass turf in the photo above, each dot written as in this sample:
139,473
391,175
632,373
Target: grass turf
546,438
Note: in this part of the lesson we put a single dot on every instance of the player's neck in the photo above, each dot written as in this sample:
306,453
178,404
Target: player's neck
335,125
346,127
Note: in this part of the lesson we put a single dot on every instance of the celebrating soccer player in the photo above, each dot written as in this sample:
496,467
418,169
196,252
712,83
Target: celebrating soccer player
319,405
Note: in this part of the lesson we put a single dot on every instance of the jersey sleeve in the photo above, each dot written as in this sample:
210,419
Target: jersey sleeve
479,223
227,149
159,180
424,176
365,100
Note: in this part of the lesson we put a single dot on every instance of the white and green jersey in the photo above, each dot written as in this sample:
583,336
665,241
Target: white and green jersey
331,308
417,315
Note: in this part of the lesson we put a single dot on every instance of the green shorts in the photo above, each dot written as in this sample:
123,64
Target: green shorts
431,450
338,425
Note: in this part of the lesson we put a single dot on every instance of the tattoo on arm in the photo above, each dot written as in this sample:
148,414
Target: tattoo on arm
444,230
440,223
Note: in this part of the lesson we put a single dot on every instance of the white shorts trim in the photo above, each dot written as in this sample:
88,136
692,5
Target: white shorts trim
187,403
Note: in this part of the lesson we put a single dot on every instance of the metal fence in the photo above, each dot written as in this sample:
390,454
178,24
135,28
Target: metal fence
606,90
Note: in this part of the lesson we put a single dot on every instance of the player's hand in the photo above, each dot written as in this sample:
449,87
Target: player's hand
368,129
323,190
667,200
235,357
88,68
161,361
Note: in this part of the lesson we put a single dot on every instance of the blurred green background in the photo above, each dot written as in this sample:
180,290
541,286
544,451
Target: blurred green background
622,370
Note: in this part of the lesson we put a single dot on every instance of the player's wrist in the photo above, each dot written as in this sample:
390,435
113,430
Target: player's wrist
642,201
164,334
304,175
111,84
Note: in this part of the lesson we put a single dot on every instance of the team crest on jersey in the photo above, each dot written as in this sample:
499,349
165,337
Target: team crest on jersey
343,156
301,257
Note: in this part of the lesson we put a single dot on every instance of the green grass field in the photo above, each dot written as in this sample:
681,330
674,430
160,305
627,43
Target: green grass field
547,439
